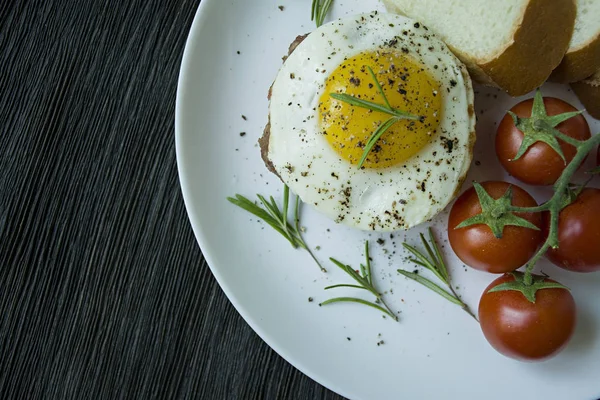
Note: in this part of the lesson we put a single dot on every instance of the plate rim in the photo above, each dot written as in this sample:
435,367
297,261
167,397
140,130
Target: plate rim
202,233
184,73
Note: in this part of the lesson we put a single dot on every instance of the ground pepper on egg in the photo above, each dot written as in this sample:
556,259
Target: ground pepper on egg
315,142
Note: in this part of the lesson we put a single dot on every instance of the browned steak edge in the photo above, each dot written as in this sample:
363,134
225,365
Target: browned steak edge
263,141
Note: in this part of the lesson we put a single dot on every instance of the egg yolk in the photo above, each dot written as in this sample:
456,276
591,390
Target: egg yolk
408,87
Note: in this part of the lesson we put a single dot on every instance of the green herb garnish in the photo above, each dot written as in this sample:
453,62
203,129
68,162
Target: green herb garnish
396,115
278,219
319,10
364,278
434,262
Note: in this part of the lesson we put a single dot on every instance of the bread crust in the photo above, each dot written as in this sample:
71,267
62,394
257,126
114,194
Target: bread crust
579,64
536,50
539,44
588,92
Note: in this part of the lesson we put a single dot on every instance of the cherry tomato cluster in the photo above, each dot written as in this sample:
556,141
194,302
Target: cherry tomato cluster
537,327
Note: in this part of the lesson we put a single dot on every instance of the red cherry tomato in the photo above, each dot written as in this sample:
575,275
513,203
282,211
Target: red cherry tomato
523,330
477,246
540,165
578,234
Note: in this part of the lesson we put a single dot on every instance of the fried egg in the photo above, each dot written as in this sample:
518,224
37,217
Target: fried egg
315,142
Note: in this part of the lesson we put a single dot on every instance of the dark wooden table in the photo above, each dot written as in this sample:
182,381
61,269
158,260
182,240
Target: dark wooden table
104,293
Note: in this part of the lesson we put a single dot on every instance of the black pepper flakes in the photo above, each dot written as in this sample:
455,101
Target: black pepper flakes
448,144
281,8
242,134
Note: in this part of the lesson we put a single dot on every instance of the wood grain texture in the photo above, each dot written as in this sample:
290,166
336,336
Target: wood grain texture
104,293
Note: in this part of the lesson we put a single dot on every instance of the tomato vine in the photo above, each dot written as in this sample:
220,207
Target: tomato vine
563,195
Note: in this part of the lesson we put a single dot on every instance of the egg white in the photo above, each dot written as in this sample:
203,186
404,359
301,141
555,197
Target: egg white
387,199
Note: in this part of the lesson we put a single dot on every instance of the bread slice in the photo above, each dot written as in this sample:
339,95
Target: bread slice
583,57
588,92
510,44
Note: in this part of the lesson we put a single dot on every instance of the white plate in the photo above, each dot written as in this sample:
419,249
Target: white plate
436,350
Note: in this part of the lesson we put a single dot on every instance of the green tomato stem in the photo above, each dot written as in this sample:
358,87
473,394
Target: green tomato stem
542,207
567,139
556,203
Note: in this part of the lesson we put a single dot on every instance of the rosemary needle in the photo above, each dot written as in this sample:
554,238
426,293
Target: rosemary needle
434,262
278,219
364,280
395,114
319,10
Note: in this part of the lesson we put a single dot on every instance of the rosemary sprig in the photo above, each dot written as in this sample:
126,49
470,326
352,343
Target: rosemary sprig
278,219
396,115
369,105
319,10
364,278
434,262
